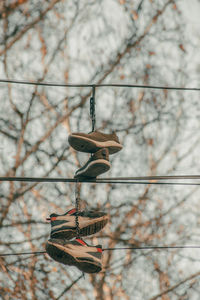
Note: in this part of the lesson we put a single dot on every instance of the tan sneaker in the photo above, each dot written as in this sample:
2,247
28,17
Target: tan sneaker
94,141
64,226
96,165
76,253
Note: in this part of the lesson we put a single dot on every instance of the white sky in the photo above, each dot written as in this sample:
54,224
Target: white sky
191,10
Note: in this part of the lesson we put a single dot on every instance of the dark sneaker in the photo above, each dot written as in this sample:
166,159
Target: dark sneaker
94,141
64,226
96,165
76,253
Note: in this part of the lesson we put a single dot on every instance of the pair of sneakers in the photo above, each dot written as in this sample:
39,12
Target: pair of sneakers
100,145
77,253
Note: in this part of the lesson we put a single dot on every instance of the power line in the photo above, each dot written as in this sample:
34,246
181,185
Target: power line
23,253
153,247
156,177
60,179
79,85
112,249
114,180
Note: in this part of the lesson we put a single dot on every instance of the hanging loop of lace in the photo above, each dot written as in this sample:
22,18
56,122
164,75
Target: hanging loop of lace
77,205
92,108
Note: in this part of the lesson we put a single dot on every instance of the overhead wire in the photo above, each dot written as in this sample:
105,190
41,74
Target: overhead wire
23,253
153,247
161,180
79,85
112,249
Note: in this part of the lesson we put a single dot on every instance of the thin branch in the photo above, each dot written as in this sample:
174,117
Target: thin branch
175,286
29,26
70,286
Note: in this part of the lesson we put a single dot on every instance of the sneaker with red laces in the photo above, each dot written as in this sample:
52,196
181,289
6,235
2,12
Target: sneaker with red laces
94,141
76,253
96,165
64,226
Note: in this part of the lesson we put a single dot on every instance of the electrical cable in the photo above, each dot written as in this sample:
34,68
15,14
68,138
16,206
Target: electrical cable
79,85
23,253
54,179
156,177
114,180
112,249
153,247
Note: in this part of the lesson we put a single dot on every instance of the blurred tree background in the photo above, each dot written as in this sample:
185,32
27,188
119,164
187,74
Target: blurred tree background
117,41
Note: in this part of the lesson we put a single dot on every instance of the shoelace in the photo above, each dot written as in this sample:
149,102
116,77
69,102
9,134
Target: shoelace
92,109
77,204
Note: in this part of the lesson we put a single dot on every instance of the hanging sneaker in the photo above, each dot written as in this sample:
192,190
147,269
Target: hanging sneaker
76,253
96,165
64,226
94,141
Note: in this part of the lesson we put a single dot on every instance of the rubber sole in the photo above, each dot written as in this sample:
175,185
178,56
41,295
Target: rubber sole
67,259
83,144
94,169
68,234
